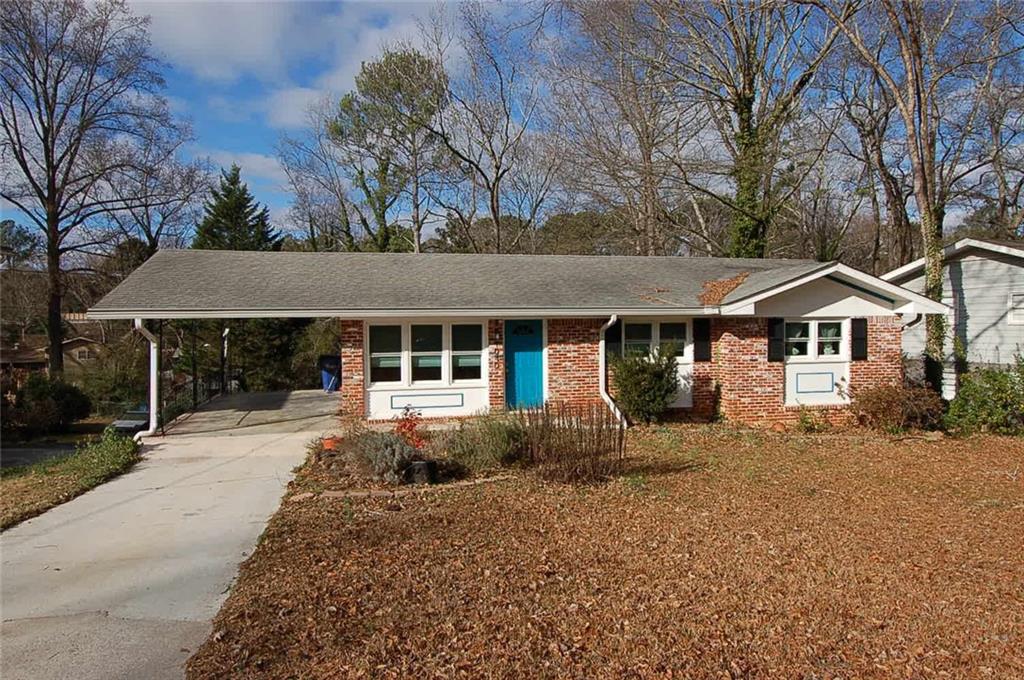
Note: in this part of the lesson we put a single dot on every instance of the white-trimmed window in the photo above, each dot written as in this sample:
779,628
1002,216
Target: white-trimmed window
815,340
1015,315
467,351
426,354
386,354
638,338
642,337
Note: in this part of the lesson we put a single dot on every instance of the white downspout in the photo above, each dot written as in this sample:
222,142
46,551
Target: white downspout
154,394
603,369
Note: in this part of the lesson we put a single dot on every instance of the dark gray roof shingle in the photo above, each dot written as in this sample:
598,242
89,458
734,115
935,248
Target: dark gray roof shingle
184,281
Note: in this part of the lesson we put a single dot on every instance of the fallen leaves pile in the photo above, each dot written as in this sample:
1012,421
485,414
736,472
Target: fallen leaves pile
720,553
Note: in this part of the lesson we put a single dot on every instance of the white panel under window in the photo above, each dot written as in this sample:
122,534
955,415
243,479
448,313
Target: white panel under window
817,383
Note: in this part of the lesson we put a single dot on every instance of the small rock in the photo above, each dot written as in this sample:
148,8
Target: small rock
778,427
302,496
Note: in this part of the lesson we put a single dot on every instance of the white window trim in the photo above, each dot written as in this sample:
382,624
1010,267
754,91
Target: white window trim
443,352
686,358
368,369
1010,320
812,356
406,382
482,352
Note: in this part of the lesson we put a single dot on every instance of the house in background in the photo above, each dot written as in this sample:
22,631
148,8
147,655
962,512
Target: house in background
30,355
983,284
454,335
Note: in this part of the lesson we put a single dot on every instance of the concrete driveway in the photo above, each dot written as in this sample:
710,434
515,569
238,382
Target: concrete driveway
123,581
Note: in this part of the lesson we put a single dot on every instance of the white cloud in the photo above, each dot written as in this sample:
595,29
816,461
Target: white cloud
287,107
225,40
255,166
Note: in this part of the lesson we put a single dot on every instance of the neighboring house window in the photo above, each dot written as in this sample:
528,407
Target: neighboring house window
1016,314
84,354
467,349
815,340
430,347
385,354
427,347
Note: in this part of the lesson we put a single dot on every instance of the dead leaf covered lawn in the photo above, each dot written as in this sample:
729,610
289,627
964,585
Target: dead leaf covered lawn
720,553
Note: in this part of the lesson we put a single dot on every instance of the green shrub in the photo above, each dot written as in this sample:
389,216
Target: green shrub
646,385
894,408
43,405
989,400
484,443
380,455
811,421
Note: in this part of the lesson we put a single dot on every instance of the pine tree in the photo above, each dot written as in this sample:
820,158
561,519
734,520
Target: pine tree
233,220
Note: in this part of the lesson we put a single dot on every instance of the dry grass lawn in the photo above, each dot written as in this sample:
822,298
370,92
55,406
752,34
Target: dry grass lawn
720,553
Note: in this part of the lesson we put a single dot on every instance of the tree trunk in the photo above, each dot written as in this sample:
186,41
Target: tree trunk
54,323
749,227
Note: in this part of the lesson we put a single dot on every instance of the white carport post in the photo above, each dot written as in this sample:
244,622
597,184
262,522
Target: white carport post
154,381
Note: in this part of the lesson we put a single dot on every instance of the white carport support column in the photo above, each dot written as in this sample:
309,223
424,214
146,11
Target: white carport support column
154,380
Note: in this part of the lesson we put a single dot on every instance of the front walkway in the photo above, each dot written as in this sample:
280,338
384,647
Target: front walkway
123,581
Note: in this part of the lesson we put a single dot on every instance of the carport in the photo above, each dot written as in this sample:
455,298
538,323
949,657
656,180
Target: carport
171,287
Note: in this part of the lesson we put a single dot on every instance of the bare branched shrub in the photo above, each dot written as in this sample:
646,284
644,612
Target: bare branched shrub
573,444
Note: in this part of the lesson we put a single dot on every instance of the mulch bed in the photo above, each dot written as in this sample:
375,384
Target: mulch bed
721,553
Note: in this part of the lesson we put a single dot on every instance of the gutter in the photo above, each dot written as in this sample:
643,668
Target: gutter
154,385
603,374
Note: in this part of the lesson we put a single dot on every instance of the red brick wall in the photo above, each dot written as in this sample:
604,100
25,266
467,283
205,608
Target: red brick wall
353,387
496,363
751,390
574,360
885,355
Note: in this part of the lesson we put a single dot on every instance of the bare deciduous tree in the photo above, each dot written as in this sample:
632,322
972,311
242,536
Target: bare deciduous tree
79,87
933,60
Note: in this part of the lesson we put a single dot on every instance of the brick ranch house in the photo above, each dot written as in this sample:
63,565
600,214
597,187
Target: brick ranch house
455,335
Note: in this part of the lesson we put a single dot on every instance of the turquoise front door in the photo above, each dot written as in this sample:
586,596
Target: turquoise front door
524,363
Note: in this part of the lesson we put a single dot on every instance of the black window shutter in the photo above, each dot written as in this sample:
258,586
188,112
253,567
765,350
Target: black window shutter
859,339
702,339
776,339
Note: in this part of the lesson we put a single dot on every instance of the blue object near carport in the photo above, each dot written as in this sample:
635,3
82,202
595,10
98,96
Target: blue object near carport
330,372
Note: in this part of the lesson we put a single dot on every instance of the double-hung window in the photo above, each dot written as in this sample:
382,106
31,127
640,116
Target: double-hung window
385,354
638,339
643,338
428,354
467,351
672,336
821,340
427,350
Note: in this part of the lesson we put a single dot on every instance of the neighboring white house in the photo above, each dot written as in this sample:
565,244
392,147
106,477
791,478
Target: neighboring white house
983,283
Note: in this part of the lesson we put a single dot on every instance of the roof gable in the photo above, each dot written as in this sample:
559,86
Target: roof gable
1012,248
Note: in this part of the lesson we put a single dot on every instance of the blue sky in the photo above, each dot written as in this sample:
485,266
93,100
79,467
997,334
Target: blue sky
244,72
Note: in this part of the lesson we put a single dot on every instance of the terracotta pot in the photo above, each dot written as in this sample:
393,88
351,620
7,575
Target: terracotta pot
330,443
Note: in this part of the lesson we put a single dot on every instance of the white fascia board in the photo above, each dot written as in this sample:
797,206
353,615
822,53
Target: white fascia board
951,250
525,313
745,306
912,303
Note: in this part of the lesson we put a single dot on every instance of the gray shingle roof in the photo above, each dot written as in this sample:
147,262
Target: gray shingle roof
184,282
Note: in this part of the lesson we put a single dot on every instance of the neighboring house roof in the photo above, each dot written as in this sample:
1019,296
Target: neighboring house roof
198,284
1012,248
